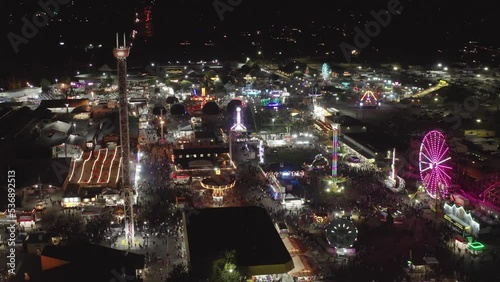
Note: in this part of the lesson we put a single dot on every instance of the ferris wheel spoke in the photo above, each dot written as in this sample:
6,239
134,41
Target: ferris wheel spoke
435,177
439,177
426,178
430,178
429,159
443,160
443,173
442,155
425,169
444,166
428,151
440,144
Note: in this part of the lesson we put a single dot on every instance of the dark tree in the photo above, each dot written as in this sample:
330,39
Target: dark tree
70,227
172,100
98,229
179,273
225,268
231,106
159,110
44,84
210,108
178,110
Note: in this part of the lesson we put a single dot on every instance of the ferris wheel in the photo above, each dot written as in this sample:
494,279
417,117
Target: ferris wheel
434,164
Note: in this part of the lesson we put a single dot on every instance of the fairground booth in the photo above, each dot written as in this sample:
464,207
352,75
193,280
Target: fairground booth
283,177
468,228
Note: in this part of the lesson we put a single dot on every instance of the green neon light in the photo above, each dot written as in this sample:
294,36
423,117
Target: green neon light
476,246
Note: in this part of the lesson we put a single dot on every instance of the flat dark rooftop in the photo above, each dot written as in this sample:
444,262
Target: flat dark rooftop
345,120
247,230
204,135
47,171
61,103
376,141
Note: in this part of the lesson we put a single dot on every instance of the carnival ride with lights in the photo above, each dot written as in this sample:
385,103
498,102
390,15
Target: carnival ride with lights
390,215
97,168
195,103
488,189
219,184
326,72
238,126
315,93
319,162
333,180
369,100
320,219
341,233
434,165
394,182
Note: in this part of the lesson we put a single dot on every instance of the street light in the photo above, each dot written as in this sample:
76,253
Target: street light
273,123
161,122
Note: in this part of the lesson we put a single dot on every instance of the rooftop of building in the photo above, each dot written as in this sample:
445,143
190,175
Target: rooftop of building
249,231
344,120
205,135
61,103
81,262
46,171
375,141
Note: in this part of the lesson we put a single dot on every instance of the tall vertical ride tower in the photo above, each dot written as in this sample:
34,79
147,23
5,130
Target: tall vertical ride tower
335,143
121,53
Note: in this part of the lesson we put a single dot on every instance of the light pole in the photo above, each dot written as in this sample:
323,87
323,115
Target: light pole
161,134
66,145
273,123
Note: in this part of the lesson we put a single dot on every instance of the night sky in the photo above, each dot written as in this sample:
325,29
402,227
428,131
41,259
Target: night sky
423,30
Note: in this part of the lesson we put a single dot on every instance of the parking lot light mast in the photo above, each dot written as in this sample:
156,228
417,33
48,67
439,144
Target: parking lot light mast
162,122
40,187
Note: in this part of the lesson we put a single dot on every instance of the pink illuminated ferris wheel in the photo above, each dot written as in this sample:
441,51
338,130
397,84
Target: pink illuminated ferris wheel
434,164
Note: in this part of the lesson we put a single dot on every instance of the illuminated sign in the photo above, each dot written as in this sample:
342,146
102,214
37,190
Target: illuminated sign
460,226
476,246
454,213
